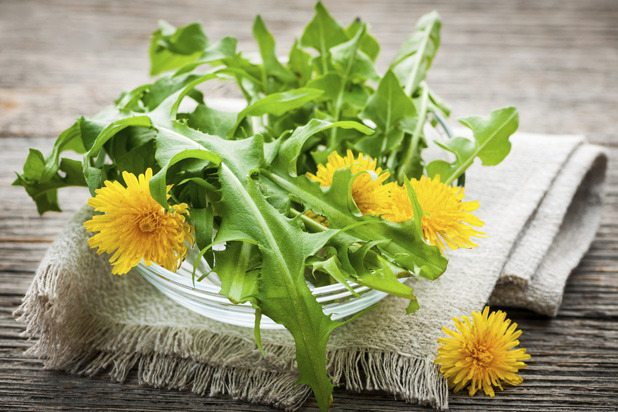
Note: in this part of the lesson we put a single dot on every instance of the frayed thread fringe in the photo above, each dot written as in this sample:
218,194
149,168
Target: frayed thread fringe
165,356
414,380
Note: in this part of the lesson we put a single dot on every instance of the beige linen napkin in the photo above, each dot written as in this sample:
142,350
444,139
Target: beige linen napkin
557,236
88,320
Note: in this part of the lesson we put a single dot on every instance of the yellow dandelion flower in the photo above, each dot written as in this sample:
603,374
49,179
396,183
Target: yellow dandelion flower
446,221
481,353
368,192
134,226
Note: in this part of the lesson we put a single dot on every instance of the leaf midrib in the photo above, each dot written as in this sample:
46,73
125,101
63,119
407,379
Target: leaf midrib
279,258
419,61
289,281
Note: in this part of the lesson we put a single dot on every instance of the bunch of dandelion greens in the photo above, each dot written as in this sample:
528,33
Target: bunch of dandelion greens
269,181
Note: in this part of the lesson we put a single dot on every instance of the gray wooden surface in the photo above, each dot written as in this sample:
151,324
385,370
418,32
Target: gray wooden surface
555,60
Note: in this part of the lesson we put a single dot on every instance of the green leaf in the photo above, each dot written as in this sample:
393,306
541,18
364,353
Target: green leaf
94,175
323,31
238,269
211,121
112,129
203,221
45,193
491,134
416,208
34,167
257,334
132,100
384,280
38,170
266,44
299,63
171,48
386,108
353,66
368,45
284,247
158,183
399,241
293,146
91,127
165,87
491,144
223,51
247,75
70,139
351,61
173,110
438,104
411,161
389,105
137,158
416,54
277,104
330,84
332,266
283,294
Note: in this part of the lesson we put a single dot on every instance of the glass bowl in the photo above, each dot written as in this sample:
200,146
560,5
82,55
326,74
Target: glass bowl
204,298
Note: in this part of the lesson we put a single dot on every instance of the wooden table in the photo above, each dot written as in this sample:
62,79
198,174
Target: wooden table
555,60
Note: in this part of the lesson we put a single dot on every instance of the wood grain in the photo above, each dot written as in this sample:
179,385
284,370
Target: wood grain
555,60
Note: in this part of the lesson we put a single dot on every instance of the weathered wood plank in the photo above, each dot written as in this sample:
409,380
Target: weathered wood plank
532,56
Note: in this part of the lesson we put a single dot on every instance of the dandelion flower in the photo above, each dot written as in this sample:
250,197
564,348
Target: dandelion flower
480,354
368,192
447,220
134,226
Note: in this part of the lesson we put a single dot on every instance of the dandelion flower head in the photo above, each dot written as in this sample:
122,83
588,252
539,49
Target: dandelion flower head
132,226
481,354
447,220
368,191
